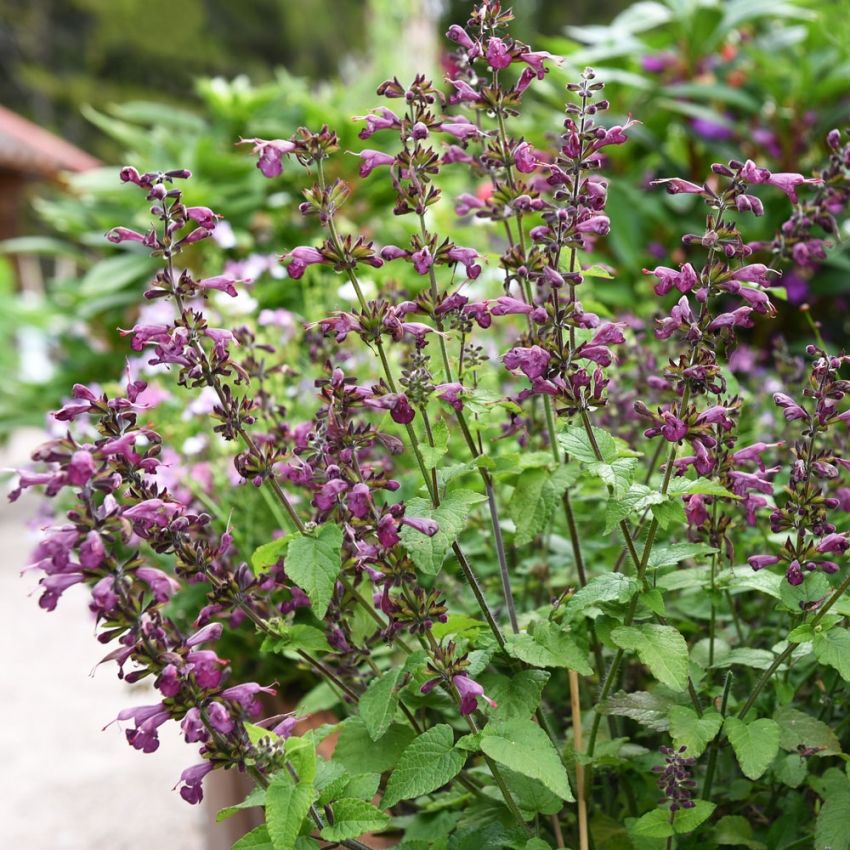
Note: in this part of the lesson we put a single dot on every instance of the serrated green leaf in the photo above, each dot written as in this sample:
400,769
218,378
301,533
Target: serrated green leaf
638,498
833,648
661,648
517,695
257,797
287,805
427,763
269,554
548,646
796,728
797,597
524,747
736,831
609,588
428,553
832,828
661,823
674,553
357,752
669,512
616,475
575,442
313,563
703,486
257,839
689,730
536,496
648,709
379,703
295,636
755,744
353,817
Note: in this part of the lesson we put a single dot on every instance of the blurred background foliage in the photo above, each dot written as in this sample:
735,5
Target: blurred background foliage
708,80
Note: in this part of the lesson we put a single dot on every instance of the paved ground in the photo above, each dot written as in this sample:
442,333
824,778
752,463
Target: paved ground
65,784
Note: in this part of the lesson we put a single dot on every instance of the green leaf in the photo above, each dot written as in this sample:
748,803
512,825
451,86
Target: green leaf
535,499
797,597
427,763
637,499
292,637
286,807
755,744
313,563
269,554
689,730
657,823
648,709
356,751
609,588
702,486
832,829
661,648
797,728
433,454
257,839
517,696
617,475
114,273
736,831
574,441
352,818
524,747
669,512
674,553
833,648
257,797
548,645
379,703
428,553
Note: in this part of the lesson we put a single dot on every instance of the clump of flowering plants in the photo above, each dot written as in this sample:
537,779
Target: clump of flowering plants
542,563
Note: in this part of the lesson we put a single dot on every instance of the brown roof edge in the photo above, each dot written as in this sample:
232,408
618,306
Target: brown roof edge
29,148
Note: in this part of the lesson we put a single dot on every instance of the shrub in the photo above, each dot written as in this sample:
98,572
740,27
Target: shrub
562,576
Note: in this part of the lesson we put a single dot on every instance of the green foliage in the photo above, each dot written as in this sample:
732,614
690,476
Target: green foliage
523,746
661,648
427,763
755,743
313,562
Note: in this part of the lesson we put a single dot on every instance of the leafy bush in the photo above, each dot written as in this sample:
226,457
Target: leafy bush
564,573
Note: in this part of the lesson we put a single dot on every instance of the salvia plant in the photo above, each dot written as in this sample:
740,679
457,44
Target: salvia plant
565,579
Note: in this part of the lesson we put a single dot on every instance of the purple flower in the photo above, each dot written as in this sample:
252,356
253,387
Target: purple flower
466,257
219,718
207,633
246,696
372,160
381,119
749,203
788,183
599,224
790,409
270,153
525,158
452,394
192,778
221,283
162,586
469,691
124,234
401,411
193,726
498,54
794,574
459,35
834,543
507,306
464,93
286,727
301,257
425,526
676,186
423,259
533,361
462,130
203,216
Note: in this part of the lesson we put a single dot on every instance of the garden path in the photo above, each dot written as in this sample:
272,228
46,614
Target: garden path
65,784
